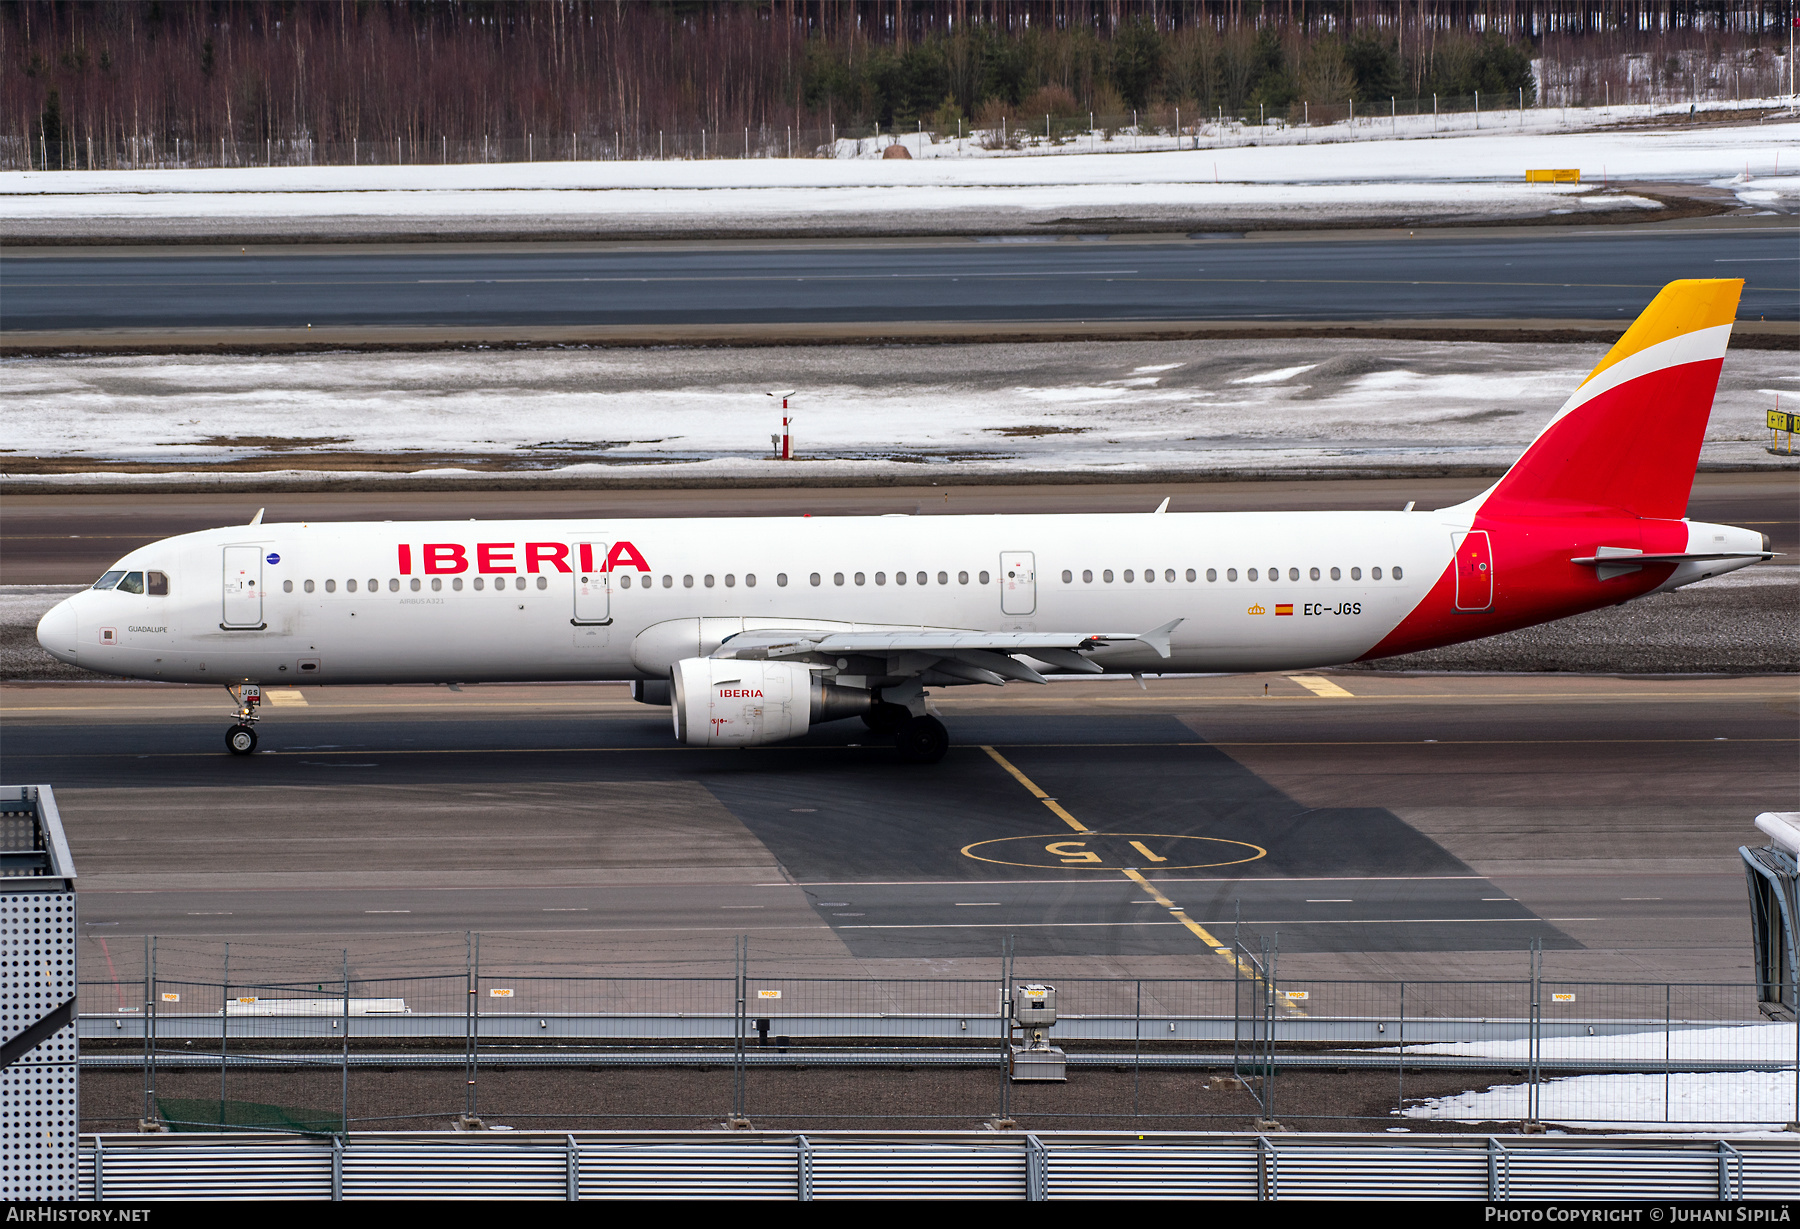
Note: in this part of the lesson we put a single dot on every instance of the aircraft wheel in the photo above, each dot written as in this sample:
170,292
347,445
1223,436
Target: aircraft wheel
922,740
886,718
240,739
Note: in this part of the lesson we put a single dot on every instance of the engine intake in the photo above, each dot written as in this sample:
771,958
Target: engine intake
726,702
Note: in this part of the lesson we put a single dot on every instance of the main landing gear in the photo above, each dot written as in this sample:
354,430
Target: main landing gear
240,739
922,740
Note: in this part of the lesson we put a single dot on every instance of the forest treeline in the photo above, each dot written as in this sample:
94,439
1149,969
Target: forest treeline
246,71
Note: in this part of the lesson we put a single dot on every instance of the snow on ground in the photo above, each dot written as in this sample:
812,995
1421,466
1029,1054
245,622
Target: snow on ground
1732,1043
1687,1101
1288,407
1452,174
1680,1101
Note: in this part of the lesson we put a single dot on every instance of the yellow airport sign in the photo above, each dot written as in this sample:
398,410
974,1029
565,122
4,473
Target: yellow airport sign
1568,175
1781,420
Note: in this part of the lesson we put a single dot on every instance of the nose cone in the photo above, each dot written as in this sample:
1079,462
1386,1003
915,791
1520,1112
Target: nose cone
59,629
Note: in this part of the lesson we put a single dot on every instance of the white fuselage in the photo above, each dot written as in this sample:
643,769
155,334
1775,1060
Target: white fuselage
515,600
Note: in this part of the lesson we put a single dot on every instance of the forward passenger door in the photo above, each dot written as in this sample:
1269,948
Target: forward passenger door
1018,582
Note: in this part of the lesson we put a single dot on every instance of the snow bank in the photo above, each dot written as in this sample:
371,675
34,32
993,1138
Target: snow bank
1723,1101
1737,1043
1458,173
1314,405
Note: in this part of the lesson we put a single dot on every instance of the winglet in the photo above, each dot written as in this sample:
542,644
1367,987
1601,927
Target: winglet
257,519
1158,638
1162,507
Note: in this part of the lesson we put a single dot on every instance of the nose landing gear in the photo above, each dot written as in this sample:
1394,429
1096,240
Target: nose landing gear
240,739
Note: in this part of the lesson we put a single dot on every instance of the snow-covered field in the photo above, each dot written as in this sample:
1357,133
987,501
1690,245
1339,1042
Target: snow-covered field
1277,407
1461,175
1686,1101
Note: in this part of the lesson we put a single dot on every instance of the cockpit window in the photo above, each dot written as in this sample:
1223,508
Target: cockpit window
133,583
109,580
156,584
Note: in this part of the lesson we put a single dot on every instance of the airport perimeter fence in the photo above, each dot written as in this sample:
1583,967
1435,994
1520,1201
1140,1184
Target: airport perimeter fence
1223,1052
1164,127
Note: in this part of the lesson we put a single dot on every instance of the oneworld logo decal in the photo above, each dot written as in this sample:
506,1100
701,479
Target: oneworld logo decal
274,558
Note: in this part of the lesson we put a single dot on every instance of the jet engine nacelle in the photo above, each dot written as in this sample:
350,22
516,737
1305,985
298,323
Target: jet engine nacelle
724,702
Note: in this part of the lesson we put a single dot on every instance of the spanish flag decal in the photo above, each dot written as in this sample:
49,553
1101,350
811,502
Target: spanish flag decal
1284,608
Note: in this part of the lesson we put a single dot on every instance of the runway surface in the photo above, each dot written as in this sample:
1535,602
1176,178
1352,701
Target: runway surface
1419,827
1589,274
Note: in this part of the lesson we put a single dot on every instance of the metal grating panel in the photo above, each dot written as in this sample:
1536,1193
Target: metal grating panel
140,1168
945,1170
1594,1173
1771,1173
1381,1172
1153,1172
39,1117
738,1169
528,1169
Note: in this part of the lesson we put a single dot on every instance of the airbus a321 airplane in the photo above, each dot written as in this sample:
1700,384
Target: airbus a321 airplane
753,630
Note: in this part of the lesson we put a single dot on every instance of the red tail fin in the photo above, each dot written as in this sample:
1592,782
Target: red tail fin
1629,438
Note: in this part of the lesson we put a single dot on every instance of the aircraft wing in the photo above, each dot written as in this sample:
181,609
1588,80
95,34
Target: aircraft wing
971,656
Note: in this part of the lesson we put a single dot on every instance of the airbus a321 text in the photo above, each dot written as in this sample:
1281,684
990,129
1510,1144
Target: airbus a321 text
753,630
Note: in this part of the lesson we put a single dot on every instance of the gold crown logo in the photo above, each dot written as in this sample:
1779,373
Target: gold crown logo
1256,610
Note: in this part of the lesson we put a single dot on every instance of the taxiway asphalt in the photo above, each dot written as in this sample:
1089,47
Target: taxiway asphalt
1419,827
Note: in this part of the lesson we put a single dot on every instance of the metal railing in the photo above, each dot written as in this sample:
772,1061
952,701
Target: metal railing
257,1054
1016,1165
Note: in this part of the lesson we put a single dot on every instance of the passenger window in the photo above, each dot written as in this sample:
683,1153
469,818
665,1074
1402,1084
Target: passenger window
881,578
133,583
624,580
287,586
1087,576
308,586
858,578
1068,577
1106,576
1293,573
394,584
108,581
1250,575
1231,574
687,582
1336,575
1212,575
375,585
899,578
156,584
518,582
331,586
544,582
707,580
437,584
414,584
780,580
921,578
350,586
749,580
944,578
1355,573
962,578
730,581
1374,573
1398,573
1314,574
814,580
837,578
455,584
983,578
